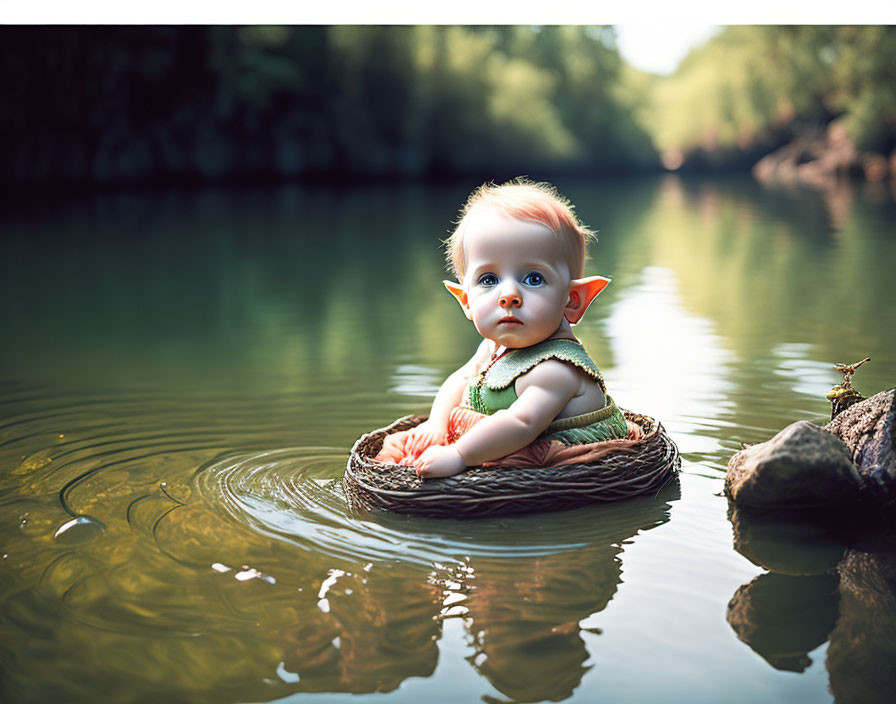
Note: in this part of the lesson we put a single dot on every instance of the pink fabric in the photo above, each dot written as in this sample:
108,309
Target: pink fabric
553,453
403,448
460,421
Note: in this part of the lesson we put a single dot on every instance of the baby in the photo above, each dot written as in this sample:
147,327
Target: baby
518,253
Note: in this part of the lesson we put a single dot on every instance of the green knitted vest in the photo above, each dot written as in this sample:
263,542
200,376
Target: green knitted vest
493,389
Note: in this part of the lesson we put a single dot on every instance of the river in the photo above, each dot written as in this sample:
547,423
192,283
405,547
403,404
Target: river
183,374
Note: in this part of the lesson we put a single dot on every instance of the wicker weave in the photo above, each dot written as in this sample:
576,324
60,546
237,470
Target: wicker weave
497,491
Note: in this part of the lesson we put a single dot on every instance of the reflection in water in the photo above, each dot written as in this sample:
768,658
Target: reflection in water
362,632
251,557
184,373
526,645
860,656
777,268
523,614
688,379
846,595
783,618
520,598
799,543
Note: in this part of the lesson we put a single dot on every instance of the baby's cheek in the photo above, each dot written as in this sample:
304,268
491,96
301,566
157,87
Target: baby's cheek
480,317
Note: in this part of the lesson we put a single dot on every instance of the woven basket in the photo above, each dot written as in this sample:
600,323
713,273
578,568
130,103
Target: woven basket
497,491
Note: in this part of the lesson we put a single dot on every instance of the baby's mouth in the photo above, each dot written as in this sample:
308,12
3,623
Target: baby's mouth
510,320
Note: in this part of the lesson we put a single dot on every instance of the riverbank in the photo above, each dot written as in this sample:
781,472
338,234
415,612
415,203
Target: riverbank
821,156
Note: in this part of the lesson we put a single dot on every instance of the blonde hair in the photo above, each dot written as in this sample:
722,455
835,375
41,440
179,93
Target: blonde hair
524,200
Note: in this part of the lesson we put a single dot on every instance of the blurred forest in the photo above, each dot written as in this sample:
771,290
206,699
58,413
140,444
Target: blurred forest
823,97
95,106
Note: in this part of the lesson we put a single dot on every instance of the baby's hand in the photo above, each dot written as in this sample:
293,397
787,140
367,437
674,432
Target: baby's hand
440,461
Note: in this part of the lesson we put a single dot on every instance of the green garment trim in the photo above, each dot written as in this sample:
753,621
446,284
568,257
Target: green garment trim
581,421
610,427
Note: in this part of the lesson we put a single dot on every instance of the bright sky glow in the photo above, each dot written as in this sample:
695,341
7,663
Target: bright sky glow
658,48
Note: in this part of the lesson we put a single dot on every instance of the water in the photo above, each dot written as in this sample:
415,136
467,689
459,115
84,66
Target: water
183,374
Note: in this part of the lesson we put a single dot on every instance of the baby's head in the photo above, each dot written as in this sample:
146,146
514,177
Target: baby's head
518,252
526,201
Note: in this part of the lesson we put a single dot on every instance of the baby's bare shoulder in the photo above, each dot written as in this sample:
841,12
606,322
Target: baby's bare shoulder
552,374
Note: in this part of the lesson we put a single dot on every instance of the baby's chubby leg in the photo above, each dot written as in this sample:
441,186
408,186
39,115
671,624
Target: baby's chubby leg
395,447
407,445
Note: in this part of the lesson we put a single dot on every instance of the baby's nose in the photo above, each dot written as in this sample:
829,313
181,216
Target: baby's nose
512,300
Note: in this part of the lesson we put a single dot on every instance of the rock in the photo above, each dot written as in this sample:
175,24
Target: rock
803,465
868,429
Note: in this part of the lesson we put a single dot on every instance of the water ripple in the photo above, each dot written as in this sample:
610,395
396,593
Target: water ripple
291,494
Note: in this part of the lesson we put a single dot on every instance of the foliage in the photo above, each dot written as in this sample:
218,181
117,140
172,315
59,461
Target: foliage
751,83
133,104
117,105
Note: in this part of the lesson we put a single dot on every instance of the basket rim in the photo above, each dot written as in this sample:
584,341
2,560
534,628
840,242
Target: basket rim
497,490
420,494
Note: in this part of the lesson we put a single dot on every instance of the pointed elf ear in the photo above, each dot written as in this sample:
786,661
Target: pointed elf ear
581,293
458,292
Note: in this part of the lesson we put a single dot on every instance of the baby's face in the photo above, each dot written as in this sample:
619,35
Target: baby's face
517,279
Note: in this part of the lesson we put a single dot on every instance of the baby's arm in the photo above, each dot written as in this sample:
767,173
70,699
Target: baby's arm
434,431
543,392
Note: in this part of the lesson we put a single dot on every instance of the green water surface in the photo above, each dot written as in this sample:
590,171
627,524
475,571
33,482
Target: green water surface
184,373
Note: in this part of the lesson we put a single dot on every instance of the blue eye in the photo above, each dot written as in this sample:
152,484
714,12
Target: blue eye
533,278
488,280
